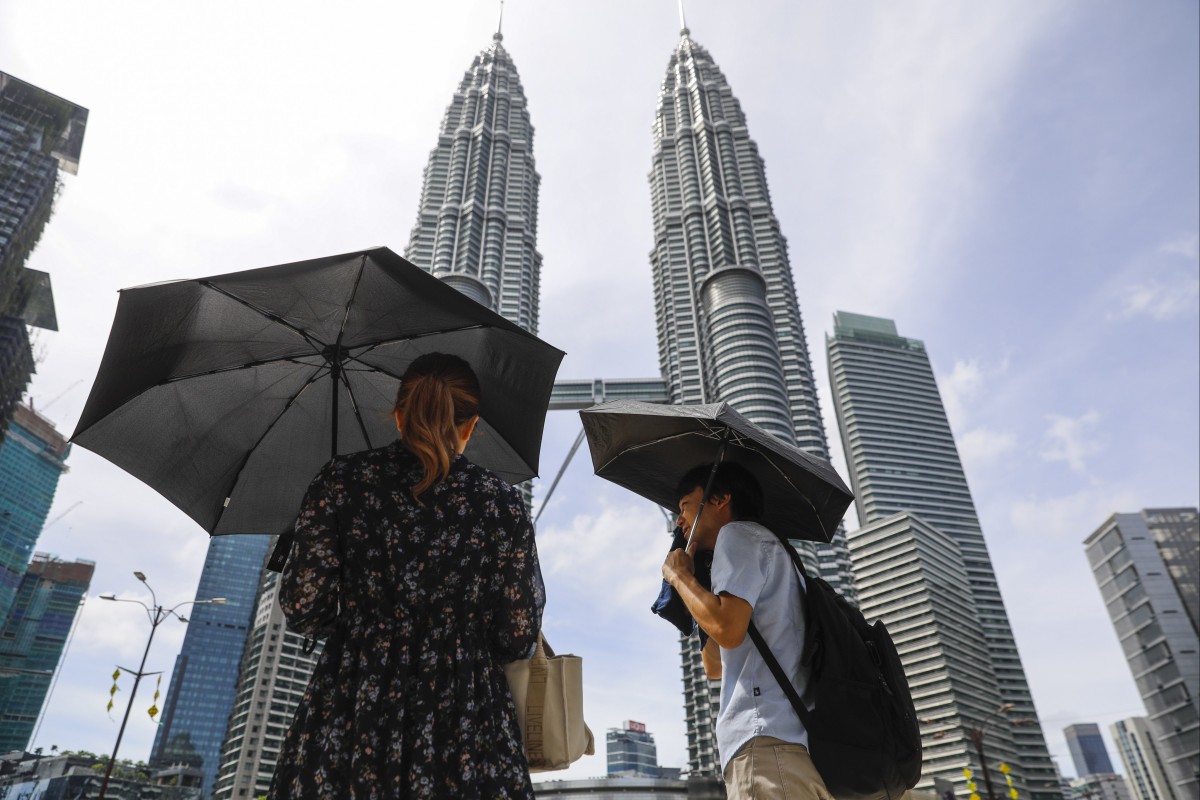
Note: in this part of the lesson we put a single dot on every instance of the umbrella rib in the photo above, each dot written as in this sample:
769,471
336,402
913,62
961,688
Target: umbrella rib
354,407
247,365
631,448
369,347
303,334
250,451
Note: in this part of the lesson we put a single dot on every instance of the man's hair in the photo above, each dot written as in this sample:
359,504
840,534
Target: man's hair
746,497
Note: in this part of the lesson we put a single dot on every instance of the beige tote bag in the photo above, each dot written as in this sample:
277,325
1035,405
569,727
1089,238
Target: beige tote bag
547,691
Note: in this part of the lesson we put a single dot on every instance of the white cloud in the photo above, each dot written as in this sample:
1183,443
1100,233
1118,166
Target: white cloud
1187,245
963,384
1163,284
1070,516
981,445
1071,439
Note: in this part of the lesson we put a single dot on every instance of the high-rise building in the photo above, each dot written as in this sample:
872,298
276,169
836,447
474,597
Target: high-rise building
912,576
275,670
1087,749
729,326
631,751
1145,564
33,639
476,227
1100,787
39,135
901,455
32,458
204,682
1144,769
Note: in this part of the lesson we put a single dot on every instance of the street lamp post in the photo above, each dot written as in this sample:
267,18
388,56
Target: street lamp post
157,614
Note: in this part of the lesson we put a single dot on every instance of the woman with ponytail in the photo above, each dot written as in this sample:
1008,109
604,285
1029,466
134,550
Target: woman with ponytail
420,569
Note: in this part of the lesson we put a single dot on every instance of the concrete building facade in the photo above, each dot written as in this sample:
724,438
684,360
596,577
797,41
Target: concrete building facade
902,458
1137,560
1144,769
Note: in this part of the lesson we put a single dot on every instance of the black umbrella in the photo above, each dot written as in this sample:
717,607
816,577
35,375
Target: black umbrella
647,448
227,394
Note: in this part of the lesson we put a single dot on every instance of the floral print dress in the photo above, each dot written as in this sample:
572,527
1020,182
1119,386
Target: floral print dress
422,606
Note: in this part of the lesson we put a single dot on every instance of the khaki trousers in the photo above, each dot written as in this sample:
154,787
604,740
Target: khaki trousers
766,768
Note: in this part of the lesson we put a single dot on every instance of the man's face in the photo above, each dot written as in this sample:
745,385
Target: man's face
716,514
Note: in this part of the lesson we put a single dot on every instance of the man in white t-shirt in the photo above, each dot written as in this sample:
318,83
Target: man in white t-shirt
762,744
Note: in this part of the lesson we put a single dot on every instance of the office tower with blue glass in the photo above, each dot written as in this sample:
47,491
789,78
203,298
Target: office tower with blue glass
1138,749
32,641
204,681
40,135
729,326
631,751
33,456
903,460
1147,565
1087,749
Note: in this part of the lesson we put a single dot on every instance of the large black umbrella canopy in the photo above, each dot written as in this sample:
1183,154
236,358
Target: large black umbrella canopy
647,448
227,394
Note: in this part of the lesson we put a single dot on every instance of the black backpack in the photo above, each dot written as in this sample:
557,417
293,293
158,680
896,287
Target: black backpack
862,731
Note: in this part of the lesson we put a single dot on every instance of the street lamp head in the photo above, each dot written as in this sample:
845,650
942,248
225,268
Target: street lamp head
141,576
181,618
219,601
108,596
1005,708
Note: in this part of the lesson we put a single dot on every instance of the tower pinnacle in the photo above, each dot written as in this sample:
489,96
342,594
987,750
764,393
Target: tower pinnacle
683,28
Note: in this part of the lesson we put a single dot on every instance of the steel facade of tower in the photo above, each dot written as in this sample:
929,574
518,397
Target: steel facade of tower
477,224
1138,563
204,682
729,326
902,457
32,642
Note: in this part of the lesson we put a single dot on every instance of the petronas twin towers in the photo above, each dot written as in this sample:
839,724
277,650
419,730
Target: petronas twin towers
728,322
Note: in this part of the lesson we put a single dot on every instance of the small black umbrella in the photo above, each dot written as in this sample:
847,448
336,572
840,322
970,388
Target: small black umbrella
647,448
227,394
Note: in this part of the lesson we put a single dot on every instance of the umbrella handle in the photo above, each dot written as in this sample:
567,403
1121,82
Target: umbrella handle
712,473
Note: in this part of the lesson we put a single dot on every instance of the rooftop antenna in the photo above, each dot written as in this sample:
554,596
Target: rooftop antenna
500,23
683,28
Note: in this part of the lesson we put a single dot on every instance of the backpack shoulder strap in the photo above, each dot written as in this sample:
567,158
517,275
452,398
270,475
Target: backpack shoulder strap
784,682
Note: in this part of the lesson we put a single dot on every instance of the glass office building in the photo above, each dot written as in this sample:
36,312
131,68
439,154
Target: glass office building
204,682
631,751
1087,749
902,458
32,458
33,639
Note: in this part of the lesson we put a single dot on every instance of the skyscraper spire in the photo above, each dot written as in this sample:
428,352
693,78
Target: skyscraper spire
500,24
476,227
683,28
729,325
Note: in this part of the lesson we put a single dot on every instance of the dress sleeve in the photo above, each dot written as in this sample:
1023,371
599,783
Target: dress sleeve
521,592
309,587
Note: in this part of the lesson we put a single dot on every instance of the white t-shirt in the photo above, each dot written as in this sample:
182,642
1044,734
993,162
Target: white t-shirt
750,563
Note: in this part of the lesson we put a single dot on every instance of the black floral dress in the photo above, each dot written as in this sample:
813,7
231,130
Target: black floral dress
422,606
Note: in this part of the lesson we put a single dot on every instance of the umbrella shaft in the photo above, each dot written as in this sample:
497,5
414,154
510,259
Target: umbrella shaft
712,474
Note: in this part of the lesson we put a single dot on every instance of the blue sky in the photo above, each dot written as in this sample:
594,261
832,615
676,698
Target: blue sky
1016,184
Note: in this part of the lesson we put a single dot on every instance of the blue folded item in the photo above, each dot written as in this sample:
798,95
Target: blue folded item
669,605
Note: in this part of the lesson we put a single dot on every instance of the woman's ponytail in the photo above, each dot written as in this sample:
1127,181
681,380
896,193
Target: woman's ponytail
438,393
